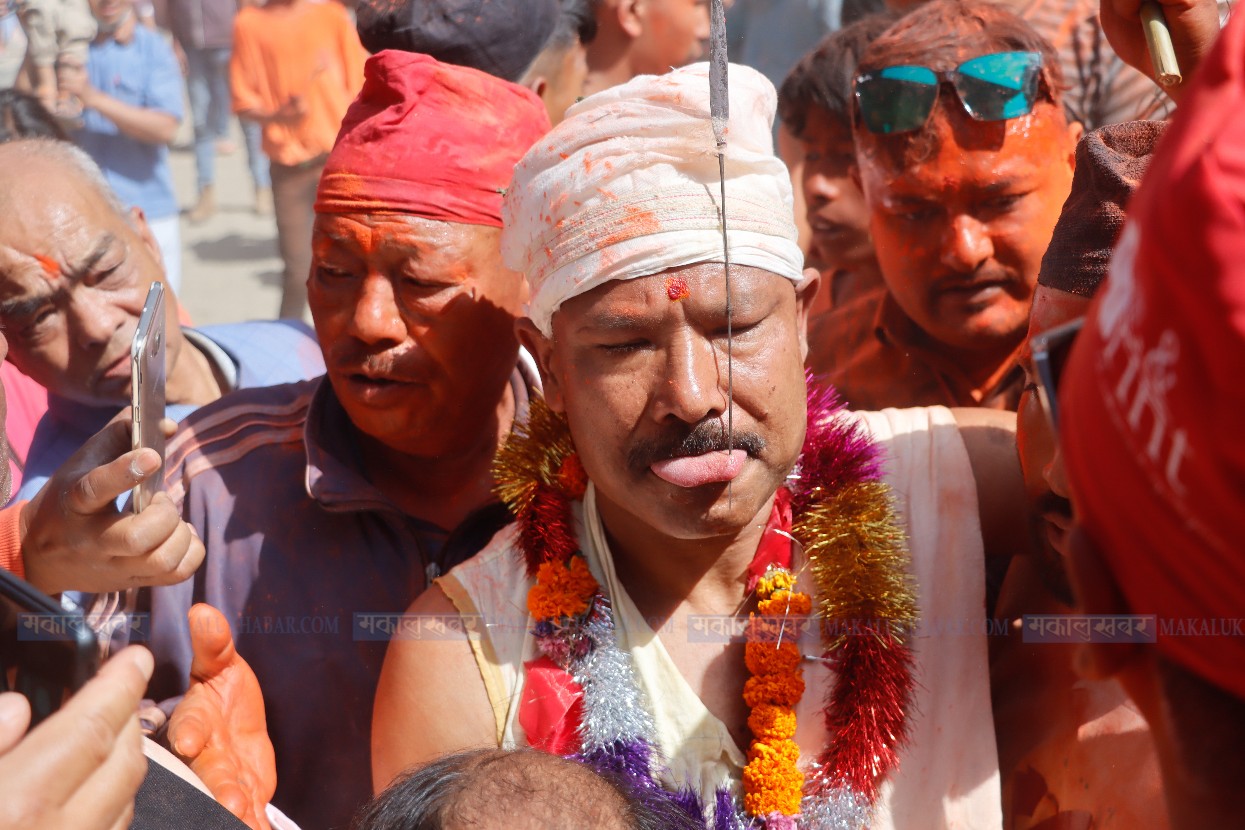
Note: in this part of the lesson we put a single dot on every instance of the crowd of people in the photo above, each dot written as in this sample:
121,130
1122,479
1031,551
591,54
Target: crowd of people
860,454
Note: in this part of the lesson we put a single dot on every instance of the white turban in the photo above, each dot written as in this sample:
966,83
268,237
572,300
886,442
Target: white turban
627,186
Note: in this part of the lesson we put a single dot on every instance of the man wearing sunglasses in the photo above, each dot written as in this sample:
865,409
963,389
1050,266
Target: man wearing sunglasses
965,156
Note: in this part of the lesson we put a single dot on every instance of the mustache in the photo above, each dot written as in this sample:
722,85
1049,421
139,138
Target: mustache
697,439
988,272
385,363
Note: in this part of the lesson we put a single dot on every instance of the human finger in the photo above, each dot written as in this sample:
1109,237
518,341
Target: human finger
189,729
211,641
106,798
220,776
14,719
100,487
68,747
175,560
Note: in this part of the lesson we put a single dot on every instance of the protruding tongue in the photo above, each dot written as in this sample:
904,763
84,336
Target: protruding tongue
696,470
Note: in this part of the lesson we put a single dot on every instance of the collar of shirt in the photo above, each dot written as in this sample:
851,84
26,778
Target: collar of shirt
895,329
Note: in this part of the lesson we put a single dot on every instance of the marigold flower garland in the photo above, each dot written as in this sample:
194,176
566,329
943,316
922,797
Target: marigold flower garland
773,783
857,556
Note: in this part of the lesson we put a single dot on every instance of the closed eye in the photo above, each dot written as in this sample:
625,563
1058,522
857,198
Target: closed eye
623,348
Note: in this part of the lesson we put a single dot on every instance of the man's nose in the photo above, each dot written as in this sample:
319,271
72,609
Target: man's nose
375,317
820,188
92,320
967,244
694,386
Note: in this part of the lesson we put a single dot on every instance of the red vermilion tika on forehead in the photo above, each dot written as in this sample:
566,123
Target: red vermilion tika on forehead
49,266
676,289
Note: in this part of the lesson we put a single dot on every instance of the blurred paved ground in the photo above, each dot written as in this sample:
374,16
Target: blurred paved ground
230,267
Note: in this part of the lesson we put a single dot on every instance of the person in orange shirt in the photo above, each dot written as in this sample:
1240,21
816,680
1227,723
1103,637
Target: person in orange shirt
296,67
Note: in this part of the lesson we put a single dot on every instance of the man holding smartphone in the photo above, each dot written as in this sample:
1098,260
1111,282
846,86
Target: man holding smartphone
75,268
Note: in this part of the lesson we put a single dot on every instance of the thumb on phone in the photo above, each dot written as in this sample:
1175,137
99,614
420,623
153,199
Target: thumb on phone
99,487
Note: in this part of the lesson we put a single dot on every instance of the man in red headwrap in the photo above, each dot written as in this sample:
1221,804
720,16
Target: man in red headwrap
326,506
1150,430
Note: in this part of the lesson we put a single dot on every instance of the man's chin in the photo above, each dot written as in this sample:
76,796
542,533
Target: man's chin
704,512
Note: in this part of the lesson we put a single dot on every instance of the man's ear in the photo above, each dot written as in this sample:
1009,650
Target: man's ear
138,221
1075,130
538,84
541,348
1097,592
805,294
631,16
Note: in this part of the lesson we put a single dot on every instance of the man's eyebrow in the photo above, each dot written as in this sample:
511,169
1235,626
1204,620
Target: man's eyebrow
102,247
1005,184
608,321
22,306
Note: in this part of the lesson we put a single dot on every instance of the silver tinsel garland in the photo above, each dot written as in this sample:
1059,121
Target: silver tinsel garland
615,708
840,809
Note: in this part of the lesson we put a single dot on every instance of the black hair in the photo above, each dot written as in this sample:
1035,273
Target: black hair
22,116
823,77
577,21
942,34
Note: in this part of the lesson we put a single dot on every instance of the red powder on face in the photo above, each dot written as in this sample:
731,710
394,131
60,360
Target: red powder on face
676,289
49,266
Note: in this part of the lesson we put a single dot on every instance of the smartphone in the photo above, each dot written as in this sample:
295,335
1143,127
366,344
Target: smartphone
147,373
52,652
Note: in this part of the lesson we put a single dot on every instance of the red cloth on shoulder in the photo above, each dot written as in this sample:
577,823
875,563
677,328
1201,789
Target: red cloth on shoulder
1153,394
430,139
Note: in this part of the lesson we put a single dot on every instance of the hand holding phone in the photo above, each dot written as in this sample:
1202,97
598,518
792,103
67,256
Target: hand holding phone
74,537
147,377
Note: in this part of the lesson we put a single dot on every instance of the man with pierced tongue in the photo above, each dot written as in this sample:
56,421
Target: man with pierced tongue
681,476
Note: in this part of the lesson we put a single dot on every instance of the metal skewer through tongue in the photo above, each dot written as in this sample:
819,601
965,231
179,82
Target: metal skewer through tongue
719,114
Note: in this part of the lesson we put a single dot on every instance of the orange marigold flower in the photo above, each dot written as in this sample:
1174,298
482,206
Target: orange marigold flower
772,781
772,658
770,723
786,603
775,579
783,752
561,590
779,689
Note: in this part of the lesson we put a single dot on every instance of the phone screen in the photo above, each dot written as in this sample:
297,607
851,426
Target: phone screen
147,373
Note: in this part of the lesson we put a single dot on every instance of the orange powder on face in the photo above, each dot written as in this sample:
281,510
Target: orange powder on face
49,266
676,289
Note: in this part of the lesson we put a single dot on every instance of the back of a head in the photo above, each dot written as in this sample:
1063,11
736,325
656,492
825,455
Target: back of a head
22,116
577,23
519,790
1110,162
823,77
46,163
500,37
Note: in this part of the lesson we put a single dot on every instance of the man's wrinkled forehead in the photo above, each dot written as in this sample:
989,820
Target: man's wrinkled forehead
27,278
32,253
699,290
